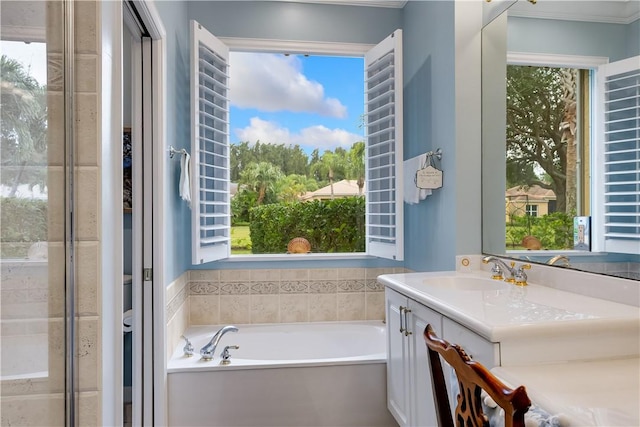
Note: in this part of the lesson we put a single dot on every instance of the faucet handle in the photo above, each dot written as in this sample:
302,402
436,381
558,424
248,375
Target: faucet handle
520,276
188,347
225,355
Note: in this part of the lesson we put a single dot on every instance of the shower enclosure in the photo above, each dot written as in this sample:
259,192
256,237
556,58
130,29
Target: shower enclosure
41,244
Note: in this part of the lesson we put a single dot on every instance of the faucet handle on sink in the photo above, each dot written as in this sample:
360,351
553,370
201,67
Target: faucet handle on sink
520,276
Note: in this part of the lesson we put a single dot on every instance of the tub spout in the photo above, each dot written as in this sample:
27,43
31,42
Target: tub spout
207,352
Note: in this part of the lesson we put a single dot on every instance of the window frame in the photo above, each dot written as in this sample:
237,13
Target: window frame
590,63
237,44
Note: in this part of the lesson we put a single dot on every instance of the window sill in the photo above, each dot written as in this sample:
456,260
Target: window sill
298,257
554,252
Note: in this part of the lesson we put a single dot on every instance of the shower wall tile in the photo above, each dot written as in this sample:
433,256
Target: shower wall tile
86,130
55,127
204,276
33,410
86,24
87,203
89,409
86,68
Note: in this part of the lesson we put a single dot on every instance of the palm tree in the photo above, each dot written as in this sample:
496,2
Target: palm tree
23,117
356,164
261,177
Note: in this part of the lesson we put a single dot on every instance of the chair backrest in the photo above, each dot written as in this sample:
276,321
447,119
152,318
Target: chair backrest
473,377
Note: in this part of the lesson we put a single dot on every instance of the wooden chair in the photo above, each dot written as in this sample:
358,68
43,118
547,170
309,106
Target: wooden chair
472,378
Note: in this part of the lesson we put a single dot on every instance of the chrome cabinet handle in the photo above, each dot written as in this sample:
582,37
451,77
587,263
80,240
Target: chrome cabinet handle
407,332
402,309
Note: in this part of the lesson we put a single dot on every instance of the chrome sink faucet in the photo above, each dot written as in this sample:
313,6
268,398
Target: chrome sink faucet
516,275
208,351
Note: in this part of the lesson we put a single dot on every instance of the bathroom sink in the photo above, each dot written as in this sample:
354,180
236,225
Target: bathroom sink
459,283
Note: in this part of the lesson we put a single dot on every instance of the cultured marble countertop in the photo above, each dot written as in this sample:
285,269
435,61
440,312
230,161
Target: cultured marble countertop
595,393
508,310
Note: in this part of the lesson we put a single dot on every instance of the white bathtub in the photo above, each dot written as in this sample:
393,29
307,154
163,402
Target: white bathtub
302,374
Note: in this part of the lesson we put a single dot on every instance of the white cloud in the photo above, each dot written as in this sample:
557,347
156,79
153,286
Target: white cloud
271,82
314,136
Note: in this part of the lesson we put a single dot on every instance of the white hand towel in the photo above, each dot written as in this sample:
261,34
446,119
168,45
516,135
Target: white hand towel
413,194
185,178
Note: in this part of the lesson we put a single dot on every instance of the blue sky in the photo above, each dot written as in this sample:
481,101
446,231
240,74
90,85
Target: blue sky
315,101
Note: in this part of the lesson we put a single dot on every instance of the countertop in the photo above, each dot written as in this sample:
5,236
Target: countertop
596,393
527,321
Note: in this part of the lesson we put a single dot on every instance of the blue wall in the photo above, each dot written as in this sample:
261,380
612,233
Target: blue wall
178,235
615,41
267,20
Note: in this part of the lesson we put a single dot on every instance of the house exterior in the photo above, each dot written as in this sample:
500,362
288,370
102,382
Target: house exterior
344,188
533,201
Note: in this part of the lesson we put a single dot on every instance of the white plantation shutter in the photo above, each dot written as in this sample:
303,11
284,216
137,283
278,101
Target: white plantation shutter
618,179
211,209
383,125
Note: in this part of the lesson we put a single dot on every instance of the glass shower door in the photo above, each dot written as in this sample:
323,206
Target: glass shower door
34,216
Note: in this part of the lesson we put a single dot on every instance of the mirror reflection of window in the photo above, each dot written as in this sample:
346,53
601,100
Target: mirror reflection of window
547,148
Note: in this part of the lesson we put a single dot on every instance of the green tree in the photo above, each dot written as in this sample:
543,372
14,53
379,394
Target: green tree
23,130
537,115
261,178
355,167
291,187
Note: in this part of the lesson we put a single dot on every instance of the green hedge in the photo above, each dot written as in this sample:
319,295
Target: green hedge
23,220
22,223
329,225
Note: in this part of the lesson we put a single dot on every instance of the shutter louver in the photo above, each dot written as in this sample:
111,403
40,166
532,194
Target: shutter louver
621,154
383,92
211,209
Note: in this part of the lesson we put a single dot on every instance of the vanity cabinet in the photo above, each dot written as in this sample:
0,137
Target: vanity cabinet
409,388
409,392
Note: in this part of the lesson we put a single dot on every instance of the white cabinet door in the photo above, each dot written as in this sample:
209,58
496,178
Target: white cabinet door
397,353
423,412
409,390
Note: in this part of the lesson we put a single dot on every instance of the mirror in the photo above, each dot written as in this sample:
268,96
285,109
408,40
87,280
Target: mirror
595,31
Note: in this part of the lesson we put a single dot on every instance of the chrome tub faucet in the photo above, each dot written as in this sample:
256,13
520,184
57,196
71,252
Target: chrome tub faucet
208,351
561,260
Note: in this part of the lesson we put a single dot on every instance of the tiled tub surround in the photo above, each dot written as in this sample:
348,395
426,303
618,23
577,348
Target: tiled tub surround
212,297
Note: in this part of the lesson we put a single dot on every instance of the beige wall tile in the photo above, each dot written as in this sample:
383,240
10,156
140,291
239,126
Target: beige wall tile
323,274
87,279
374,305
297,274
176,327
55,129
293,308
55,204
351,273
204,275
86,70
235,276
204,310
322,308
265,309
86,130
86,25
265,275
351,306
89,409
235,309
87,203
33,410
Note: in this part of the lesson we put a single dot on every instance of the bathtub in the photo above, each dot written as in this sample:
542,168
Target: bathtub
302,374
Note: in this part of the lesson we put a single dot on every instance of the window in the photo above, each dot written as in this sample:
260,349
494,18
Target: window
532,210
589,141
211,214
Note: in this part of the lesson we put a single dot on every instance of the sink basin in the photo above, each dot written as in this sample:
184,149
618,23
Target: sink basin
467,283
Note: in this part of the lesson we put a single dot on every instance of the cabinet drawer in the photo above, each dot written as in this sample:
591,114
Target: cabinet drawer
478,348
